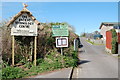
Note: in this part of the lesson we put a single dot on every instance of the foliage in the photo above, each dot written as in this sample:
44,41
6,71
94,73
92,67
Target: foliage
71,61
53,61
0,71
83,35
12,73
48,56
6,42
90,41
23,49
114,41
28,65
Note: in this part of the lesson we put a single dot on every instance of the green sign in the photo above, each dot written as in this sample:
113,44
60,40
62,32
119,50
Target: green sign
60,30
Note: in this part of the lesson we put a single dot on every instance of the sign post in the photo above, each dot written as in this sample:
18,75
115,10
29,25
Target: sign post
35,46
24,24
13,50
61,42
60,31
61,51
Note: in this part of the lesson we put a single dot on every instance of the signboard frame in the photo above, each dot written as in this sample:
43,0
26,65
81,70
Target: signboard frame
24,26
29,25
60,30
61,42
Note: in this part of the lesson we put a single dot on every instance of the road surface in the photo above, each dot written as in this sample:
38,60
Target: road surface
95,63
64,73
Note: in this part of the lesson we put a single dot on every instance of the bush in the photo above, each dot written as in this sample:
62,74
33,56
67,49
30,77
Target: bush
39,61
12,73
24,51
28,65
51,62
71,61
114,41
114,46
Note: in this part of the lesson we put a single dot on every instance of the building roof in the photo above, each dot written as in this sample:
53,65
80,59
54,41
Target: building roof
108,23
24,10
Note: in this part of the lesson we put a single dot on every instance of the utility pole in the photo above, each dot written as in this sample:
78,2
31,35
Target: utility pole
84,29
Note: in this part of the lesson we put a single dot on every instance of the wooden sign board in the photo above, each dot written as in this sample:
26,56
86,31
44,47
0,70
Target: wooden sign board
24,26
61,41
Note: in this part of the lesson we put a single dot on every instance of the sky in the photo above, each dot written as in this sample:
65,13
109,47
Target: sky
60,0
84,16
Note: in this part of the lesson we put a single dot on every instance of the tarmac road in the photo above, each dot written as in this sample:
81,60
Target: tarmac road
95,63
63,73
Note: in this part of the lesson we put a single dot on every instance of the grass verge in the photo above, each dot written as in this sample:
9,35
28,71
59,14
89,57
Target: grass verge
93,43
51,62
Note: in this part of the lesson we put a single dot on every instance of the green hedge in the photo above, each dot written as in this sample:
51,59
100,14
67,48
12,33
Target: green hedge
114,41
12,73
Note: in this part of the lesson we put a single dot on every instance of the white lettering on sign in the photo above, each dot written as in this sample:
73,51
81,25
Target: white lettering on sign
24,26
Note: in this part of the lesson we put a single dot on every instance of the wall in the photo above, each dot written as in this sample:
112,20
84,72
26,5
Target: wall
104,29
108,40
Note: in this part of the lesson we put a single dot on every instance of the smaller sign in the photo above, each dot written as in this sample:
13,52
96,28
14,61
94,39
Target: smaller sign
60,30
61,41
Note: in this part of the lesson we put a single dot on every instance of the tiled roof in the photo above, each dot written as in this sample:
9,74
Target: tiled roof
109,23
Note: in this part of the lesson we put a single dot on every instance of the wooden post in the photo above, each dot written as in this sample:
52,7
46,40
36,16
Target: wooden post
13,50
61,51
31,50
35,46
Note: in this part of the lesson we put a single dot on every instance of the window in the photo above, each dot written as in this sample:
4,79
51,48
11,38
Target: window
116,27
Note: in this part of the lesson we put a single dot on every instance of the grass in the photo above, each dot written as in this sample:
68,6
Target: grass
0,71
93,43
90,41
51,62
118,56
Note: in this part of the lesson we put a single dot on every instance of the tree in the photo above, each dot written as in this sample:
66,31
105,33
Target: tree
83,35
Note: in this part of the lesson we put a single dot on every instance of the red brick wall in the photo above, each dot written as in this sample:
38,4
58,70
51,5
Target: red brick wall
118,38
108,39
